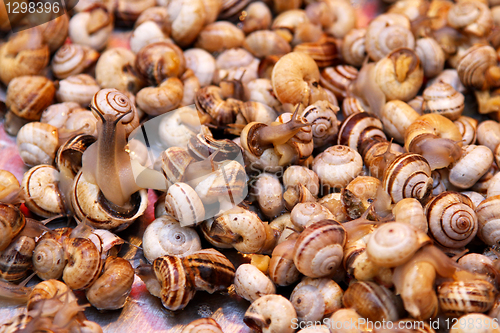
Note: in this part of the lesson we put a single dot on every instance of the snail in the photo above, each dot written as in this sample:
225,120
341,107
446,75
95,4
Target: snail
410,211
240,228
263,43
78,88
452,220
282,270
15,259
165,236
353,47
111,289
202,64
304,214
92,27
269,192
314,299
381,247
337,166
436,138
318,250
49,258
250,283
12,221
358,195
461,297
322,117
175,280
372,301
396,117
116,69
84,263
106,164
258,17
208,325
487,218
271,313
72,59
220,36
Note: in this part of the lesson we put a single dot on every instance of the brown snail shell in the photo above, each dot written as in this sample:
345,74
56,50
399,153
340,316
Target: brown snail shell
12,221
15,260
372,301
110,291
461,297
84,263
318,251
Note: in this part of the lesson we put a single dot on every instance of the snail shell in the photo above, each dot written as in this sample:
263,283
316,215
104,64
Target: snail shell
488,216
271,313
176,287
460,297
209,270
12,221
353,47
371,301
359,127
250,283
116,69
408,176
474,163
184,204
431,55
473,66
40,187
318,251
400,75
394,243
359,194
84,196
472,17
314,299
78,88
258,17
337,79
452,220
84,263
92,27
410,211
111,289
397,116
15,260
159,61
441,98
47,290
323,51
9,189
202,64
322,117
220,36
49,258
202,325
386,33
264,43
467,127
282,270
37,143
72,59
337,166
269,192
304,214
165,236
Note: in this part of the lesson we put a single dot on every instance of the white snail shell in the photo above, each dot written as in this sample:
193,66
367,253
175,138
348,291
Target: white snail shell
165,236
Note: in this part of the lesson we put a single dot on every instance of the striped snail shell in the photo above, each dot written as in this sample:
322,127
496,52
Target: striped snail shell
282,270
338,78
322,117
174,161
488,216
372,301
460,297
84,263
359,127
209,270
443,99
202,325
176,287
47,290
452,220
408,176
318,251
12,221
184,204
394,243
15,260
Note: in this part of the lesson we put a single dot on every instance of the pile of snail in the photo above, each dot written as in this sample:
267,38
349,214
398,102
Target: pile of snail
368,180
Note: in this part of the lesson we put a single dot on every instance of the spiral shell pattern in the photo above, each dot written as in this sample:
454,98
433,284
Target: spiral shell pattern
459,297
72,59
176,288
443,99
488,215
359,127
473,65
337,79
393,244
48,259
319,249
452,220
84,263
15,260
408,176
322,117
114,102
353,47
